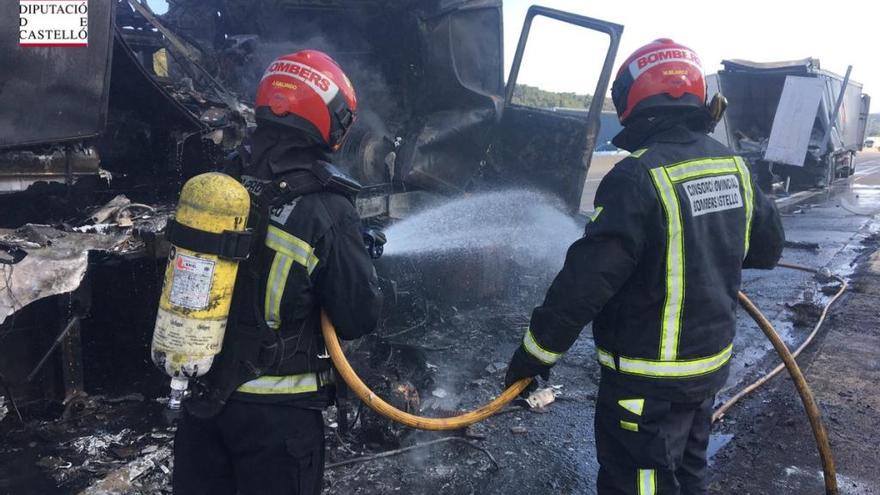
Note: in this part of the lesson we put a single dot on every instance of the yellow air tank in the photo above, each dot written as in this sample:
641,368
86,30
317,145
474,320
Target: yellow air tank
207,243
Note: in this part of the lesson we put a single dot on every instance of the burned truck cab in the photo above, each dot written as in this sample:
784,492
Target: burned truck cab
436,117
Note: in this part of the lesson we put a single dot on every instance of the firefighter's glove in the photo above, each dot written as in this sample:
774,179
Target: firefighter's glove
522,365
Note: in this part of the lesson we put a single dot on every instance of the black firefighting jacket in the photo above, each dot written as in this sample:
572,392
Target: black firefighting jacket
659,266
313,257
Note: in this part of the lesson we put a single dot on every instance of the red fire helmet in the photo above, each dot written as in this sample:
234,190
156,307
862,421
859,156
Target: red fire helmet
659,75
308,91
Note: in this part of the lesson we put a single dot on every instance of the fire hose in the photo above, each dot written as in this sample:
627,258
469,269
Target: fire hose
387,410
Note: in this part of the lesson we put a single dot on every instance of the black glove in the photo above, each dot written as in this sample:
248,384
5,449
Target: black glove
522,365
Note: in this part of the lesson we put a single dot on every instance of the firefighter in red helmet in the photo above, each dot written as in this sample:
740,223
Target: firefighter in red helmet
253,424
657,273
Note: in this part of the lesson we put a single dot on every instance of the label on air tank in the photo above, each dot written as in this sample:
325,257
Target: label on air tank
191,282
182,335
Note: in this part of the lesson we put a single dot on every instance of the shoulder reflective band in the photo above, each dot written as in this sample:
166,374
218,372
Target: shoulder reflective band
291,245
596,213
532,347
638,153
671,324
748,199
291,384
701,167
684,368
647,482
288,249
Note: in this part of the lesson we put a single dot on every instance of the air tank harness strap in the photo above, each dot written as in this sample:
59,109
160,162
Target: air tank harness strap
275,348
231,244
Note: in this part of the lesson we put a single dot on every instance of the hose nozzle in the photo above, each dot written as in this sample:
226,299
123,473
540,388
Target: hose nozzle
374,241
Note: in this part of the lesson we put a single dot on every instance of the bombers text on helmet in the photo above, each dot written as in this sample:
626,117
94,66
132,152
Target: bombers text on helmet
660,75
308,91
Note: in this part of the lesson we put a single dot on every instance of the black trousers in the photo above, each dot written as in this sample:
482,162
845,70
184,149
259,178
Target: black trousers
647,446
250,448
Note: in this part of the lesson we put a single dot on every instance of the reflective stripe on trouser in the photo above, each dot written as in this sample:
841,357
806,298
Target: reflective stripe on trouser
683,368
290,384
668,438
534,348
288,249
647,482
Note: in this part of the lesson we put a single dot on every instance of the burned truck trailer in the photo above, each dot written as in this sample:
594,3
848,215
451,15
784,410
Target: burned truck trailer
791,120
154,100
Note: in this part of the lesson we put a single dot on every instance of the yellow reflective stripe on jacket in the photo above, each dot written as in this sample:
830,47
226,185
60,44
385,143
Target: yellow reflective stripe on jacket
672,307
596,213
291,384
292,246
647,482
701,167
288,249
532,347
605,358
638,153
684,368
749,199
275,285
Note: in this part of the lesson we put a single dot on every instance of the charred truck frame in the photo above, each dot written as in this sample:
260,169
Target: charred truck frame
154,100
796,123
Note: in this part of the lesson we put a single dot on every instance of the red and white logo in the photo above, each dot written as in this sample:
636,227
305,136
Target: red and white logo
305,74
652,59
53,23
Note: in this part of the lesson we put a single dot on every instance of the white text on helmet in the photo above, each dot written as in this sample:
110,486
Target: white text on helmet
652,59
314,79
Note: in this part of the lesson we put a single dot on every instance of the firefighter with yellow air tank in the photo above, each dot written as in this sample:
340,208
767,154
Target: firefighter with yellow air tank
253,422
657,273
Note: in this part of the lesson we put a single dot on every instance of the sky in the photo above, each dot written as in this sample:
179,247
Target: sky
564,58
839,33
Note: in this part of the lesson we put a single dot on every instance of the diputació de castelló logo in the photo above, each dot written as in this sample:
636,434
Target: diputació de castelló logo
53,23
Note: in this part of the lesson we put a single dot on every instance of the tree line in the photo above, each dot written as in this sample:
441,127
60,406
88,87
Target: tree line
533,96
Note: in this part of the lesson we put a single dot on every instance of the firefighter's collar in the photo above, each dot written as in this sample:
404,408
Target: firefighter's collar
644,132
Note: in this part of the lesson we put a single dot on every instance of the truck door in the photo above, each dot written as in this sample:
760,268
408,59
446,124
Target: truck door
548,131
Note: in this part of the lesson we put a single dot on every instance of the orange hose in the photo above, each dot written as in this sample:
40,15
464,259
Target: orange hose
377,404
800,383
722,409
